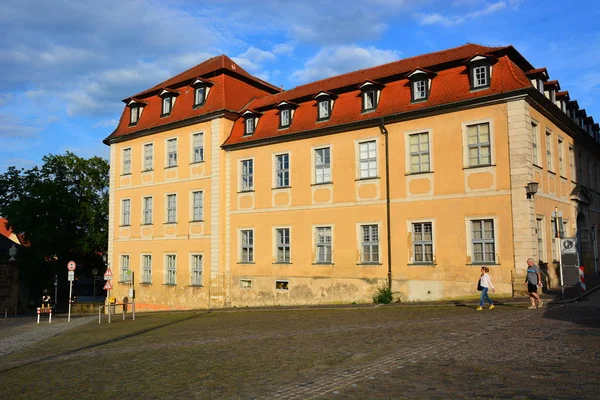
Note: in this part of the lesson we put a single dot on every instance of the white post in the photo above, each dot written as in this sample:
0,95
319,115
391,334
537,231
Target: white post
50,317
38,313
100,314
70,297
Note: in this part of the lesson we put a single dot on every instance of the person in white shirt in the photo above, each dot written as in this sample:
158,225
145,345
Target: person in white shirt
486,283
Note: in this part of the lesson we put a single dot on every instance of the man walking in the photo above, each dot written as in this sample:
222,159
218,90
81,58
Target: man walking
534,280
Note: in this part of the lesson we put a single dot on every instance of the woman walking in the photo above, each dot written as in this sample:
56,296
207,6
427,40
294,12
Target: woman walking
486,283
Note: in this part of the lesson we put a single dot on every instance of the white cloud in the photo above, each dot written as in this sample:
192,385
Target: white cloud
453,20
283,49
14,128
331,61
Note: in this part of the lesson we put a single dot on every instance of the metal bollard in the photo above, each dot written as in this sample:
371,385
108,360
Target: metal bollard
6,313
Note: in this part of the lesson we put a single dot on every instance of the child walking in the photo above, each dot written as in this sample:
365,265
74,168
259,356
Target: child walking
486,284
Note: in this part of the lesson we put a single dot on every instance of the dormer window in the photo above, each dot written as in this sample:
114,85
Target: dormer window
540,86
420,89
199,95
201,90
249,127
284,118
480,76
250,121
420,81
480,71
134,115
167,104
370,92
324,105
324,110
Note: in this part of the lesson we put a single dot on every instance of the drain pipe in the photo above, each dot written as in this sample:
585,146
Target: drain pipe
384,132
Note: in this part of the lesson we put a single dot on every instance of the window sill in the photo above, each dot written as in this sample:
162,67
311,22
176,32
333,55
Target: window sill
197,162
124,282
323,263
171,166
247,134
246,191
170,223
148,170
417,101
552,172
479,166
563,177
322,183
127,174
323,119
196,286
198,105
368,111
196,220
169,284
145,283
418,173
282,263
370,263
246,262
281,128
538,166
370,178
421,264
281,187
479,88
164,115
149,224
132,124
125,226
478,265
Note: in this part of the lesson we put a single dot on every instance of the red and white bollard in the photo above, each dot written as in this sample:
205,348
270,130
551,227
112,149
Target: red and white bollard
46,310
582,279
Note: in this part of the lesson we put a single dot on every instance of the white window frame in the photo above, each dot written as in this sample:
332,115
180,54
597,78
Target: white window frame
148,157
168,208
540,238
147,213
549,151
365,99
197,145
246,175
322,171
246,240
286,247
196,271
535,141
245,284
124,266
466,158
282,177
420,89
134,115
196,210
146,268
126,164
483,80
282,119
166,106
249,126
370,163
561,161
572,164
322,113
170,270
469,234
199,89
171,159
420,153
370,243
325,245
422,242
126,212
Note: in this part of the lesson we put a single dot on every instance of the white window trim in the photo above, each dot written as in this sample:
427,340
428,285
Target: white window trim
143,219
465,142
123,279
552,153
122,214
240,171
192,147
409,228
191,261
123,150
560,154
407,134
544,248
141,278
246,280
537,136
359,242
469,236
314,243
166,265
274,169
282,280
166,211
275,228
191,203
357,160
239,235
313,160
144,156
167,152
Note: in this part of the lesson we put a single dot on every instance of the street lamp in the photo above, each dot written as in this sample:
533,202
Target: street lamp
531,189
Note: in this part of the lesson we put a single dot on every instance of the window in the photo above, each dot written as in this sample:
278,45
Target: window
534,143
478,139
480,76
247,178
147,210
553,231
540,239
125,272
172,152
148,157
196,270
484,246
146,268
549,151
420,90
589,169
368,159
126,212
419,152
284,117
571,164
422,242
126,161
561,167
249,126
246,283
283,245
171,208
282,170
323,243
369,98
197,206
134,115
199,95
369,244
324,109
166,106
323,165
281,285
171,269
247,246
197,147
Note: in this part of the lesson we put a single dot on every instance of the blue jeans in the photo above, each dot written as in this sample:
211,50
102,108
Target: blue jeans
484,296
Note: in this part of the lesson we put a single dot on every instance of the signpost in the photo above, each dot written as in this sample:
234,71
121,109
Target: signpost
71,267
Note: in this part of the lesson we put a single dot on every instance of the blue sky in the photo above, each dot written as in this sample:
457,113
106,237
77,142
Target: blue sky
65,65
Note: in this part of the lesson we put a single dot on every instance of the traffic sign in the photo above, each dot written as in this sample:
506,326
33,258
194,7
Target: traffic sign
108,285
71,266
71,276
108,275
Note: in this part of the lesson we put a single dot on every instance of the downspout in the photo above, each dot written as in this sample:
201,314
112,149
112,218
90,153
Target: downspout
384,132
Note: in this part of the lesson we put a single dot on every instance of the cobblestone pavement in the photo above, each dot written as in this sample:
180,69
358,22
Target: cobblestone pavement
21,332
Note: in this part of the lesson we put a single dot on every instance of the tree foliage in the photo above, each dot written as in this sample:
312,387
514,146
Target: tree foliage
61,208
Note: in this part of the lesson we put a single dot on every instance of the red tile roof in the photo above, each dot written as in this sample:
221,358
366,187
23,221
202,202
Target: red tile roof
449,86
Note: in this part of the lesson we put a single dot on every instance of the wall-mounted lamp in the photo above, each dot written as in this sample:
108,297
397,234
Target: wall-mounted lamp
531,188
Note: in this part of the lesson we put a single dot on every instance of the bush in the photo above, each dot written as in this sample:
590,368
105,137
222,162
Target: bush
383,296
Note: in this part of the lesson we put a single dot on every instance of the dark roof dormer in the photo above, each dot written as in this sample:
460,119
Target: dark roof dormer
168,101
250,121
480,71
325,101
537,77
136,107
201,89
286,113
572,107
370,91
562,98
596,131
550,89
580,116
420,84
588,122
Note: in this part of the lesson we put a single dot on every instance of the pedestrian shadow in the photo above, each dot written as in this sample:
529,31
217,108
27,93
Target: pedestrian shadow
102,343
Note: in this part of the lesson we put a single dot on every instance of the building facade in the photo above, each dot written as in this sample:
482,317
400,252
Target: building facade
227,191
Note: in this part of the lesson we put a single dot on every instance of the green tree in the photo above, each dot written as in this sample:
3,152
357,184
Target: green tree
62,210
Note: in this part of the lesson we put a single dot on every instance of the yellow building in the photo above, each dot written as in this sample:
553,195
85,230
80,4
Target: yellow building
227,191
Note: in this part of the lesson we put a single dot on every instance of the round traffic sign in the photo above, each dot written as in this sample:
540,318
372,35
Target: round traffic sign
71,266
